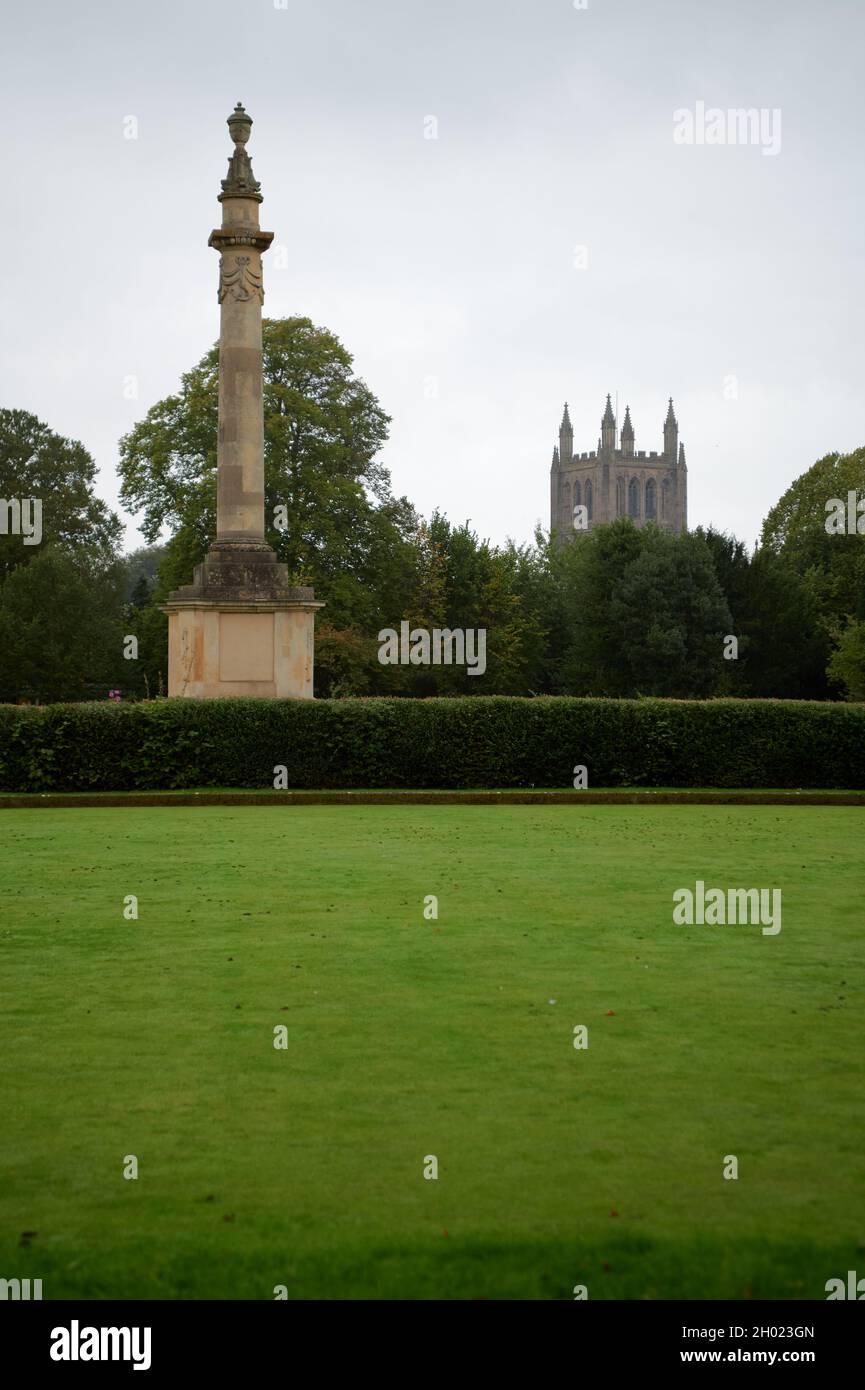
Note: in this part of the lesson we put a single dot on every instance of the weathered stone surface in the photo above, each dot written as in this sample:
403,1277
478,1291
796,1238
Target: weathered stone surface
225,650
617,481
240,627
241,182
241,574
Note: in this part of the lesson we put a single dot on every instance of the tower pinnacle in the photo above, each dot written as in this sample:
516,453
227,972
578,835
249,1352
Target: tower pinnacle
608,428
627,434
671,434
566,437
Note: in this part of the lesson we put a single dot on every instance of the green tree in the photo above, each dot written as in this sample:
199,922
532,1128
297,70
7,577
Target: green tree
61,600
36,463
670,616
61,629
323,428
591,659
142,569
832,566
847,663
463,582
787,641
783,643
732,566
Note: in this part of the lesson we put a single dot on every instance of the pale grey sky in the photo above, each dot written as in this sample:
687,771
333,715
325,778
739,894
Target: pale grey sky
454,258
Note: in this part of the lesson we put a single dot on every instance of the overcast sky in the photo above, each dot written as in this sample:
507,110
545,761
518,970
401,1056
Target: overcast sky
451,261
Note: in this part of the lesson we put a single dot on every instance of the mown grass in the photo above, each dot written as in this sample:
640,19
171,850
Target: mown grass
410,1037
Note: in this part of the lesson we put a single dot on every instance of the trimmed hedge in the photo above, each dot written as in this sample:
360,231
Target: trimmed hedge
498,741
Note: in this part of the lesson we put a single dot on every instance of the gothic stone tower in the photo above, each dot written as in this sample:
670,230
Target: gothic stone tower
611,482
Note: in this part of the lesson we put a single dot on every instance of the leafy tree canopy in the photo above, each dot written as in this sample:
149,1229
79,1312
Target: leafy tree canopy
36,463
323,430
61,629
847,662
833,566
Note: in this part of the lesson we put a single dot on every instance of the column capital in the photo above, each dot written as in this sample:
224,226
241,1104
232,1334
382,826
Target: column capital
223,237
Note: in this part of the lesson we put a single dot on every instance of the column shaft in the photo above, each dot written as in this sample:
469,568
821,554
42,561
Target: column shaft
240,444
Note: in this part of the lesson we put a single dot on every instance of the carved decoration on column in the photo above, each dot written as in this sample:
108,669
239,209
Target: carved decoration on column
242,282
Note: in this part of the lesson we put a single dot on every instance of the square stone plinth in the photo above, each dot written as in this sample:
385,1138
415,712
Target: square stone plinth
220,650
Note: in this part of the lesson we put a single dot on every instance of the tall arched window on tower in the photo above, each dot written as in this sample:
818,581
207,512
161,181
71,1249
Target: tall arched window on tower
665,500
565,518
651,499
620,497
577,493
588,501
633,498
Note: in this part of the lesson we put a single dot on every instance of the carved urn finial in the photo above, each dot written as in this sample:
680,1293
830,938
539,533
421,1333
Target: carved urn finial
239,125
241,182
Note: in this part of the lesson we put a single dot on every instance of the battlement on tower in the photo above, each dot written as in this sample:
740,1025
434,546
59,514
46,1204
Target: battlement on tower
594,487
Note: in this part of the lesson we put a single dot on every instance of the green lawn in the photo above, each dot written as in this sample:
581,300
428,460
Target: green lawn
409,1037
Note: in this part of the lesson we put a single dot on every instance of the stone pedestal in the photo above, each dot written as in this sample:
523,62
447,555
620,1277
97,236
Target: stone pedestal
240,628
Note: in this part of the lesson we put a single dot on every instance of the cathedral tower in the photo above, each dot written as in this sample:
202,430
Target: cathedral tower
613,482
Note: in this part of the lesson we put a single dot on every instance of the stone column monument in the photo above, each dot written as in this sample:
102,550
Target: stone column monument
239,628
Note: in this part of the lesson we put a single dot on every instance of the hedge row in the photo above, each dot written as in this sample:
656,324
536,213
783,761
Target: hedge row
469,742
